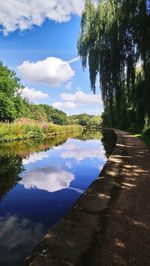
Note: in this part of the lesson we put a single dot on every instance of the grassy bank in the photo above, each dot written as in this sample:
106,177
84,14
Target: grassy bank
29,129
144,138
144,135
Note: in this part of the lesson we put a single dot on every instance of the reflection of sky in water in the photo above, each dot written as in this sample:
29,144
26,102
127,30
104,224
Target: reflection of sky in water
16,234
51,183
50,179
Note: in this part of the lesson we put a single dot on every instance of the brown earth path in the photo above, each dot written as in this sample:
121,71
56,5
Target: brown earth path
126,238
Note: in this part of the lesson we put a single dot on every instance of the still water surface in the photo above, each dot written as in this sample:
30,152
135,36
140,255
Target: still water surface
39,183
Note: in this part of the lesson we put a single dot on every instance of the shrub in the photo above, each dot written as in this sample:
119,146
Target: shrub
28,128
146,131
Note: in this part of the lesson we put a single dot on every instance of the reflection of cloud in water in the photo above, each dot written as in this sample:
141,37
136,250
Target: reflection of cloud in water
17,234
68,165
82,150
50,179
35,157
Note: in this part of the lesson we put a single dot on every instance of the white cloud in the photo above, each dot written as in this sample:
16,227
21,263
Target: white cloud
62,105
33,94
51,71
81,102
23,14
81,97
80,151
35,157
50,179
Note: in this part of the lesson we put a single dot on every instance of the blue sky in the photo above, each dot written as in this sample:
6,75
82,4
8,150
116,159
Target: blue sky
39,43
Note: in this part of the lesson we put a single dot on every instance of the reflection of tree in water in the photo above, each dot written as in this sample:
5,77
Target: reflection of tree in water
90,134
107,137
25,148
10,168
109,141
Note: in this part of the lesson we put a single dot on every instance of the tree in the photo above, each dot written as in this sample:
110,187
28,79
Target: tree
54,115
114,36
9,90
91,121
7,108
9,82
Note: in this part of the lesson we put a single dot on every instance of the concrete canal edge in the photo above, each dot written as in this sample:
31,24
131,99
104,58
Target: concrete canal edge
75,234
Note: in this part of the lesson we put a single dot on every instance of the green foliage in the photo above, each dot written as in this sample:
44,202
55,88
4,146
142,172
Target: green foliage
9,83
114,36
27,129
37,112
54,115
10,168
146,131
9,90
90,134
7,108
144,137
90,121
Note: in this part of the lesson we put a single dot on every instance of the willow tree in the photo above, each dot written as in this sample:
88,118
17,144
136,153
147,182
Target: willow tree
111,45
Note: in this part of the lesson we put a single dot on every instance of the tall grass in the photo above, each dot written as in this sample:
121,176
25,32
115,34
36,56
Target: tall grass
28,129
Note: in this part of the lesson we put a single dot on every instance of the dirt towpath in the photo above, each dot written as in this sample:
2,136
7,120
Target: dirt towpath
126,234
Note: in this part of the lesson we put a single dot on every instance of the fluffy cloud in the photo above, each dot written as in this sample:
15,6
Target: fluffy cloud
33,158
23,14
61,105
33,94
81,97
51,71
50,179
80,101
81,151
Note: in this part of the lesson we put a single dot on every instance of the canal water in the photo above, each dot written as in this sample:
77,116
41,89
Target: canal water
39,183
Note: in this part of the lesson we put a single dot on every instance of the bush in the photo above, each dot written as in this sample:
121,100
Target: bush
146,131
28,128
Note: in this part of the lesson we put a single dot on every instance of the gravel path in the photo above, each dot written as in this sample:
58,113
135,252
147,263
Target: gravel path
126,231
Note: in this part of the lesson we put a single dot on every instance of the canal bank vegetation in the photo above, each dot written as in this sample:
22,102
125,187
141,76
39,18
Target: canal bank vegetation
28,129
144,136
115,43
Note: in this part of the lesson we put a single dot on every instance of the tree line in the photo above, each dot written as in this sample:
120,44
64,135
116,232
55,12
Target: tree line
85,120
115,44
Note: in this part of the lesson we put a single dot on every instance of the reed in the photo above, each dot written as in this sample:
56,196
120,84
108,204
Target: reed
28,129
